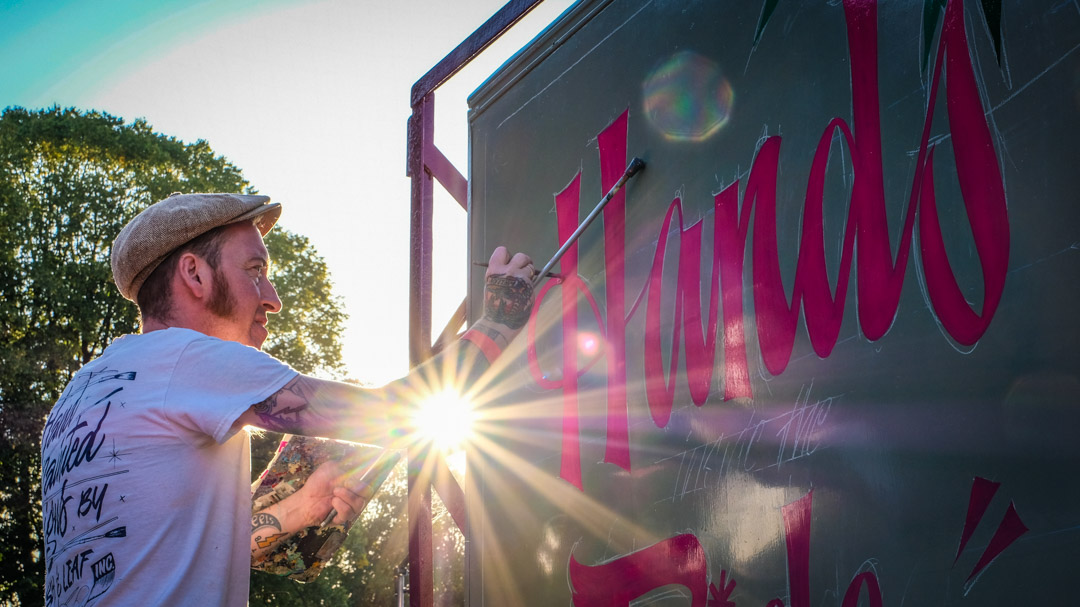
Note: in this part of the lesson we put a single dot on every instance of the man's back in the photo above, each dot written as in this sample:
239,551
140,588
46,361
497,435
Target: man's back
146,496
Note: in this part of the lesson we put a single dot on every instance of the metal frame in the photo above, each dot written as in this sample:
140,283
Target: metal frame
426,162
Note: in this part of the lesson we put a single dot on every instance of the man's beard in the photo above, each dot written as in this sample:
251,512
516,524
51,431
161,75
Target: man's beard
222,303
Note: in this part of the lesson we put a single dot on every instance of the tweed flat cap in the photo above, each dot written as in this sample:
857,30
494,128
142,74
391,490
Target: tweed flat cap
164,226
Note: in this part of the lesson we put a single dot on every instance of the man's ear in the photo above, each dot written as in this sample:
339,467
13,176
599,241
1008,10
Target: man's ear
194,275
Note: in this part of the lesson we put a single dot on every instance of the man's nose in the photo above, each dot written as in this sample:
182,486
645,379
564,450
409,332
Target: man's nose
270,299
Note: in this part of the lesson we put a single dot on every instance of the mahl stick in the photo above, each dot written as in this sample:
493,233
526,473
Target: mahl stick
632,169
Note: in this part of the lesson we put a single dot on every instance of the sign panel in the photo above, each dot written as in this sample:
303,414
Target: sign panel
823,350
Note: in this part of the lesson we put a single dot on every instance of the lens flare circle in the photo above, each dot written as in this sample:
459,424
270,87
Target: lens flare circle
687,97
588,343
445,419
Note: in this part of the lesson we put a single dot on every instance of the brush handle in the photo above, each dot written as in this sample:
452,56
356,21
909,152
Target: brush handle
373,477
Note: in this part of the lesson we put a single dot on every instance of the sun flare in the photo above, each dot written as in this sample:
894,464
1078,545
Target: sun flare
446,419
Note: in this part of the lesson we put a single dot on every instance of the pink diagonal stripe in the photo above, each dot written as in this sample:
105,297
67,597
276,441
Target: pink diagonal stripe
982,491
1010,529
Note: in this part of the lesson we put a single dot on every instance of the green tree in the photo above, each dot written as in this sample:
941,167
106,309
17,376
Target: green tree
306,333
69,180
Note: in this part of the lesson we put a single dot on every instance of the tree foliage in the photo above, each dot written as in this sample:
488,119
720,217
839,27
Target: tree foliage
306,332
69,180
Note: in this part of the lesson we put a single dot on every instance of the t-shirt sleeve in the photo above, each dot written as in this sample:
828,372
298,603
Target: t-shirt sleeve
215,381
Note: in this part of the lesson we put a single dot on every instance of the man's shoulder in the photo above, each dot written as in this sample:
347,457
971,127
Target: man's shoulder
154,346
182,348
171,337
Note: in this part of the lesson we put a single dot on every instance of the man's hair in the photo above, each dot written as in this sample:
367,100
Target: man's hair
155,295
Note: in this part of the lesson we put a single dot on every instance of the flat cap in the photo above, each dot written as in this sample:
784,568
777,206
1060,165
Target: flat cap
166,225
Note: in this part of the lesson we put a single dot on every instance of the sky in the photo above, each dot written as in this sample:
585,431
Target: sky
309,99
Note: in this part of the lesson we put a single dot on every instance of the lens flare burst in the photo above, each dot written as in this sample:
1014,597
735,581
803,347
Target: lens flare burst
687,97
446,419
510,422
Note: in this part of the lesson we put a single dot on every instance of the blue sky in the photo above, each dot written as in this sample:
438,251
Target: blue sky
46,44
308,98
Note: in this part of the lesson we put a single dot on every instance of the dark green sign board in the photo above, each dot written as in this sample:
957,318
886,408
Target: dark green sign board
824,349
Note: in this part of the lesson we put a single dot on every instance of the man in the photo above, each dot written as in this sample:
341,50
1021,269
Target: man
145,467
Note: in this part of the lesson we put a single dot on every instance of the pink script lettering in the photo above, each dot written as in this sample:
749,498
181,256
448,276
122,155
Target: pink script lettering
879,278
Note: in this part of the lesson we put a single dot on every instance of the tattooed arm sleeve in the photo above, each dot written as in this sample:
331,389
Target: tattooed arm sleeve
319,407
383,416
315,407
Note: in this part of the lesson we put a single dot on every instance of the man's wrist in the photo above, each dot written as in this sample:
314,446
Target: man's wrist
500,333
486,336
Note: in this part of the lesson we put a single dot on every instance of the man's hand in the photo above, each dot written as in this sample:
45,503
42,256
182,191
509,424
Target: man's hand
508,293
332,485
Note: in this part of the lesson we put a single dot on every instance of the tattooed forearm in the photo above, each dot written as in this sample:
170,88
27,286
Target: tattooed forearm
507,300
470,365
266,530
266,542
262,519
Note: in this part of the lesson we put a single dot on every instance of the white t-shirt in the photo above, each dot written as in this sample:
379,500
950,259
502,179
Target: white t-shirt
146,490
